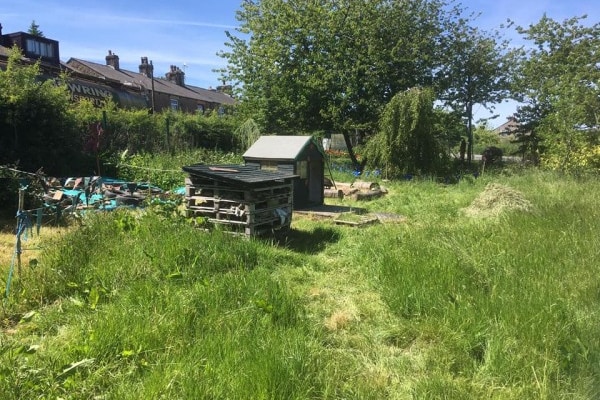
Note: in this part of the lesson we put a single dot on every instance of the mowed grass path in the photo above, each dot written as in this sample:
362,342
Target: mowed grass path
471,296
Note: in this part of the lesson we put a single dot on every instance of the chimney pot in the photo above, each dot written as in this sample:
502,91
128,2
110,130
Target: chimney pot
145,68
112,60
176,75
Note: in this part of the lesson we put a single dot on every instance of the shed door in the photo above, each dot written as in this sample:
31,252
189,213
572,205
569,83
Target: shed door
315,181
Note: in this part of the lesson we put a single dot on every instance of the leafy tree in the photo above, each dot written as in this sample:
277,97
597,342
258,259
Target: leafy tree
406,141
332,65
37,129
560,86
485,137
34,29
476,68
450,126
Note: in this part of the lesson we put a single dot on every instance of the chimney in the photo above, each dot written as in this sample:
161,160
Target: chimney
176,76
146,69
225,88
0,29
112,60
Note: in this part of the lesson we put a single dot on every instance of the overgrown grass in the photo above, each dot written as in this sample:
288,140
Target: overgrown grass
447,304
164,169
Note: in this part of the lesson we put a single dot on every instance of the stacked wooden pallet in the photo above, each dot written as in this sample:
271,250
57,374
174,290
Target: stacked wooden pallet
261,208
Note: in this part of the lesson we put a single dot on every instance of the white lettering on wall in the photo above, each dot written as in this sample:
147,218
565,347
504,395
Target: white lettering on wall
78,90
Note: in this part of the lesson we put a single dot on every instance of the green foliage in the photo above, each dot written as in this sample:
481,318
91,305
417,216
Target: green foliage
569,148
483,138
247,133
477,68
332,65
450,126
406,142
42,127
138,132
562,111
34,29
37,128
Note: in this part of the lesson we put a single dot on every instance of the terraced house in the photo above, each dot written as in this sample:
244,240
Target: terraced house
129,89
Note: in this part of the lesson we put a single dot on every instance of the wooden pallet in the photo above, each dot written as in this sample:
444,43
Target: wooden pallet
253,211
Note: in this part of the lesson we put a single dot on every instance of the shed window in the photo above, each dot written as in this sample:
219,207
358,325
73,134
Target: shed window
174,104
302,169
268,165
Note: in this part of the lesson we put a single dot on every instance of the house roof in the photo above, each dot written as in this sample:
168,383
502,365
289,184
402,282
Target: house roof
277,147
142,81
213,96
243,175
510,127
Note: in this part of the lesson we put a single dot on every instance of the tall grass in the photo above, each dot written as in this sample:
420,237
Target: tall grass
499,308
443,305
164,169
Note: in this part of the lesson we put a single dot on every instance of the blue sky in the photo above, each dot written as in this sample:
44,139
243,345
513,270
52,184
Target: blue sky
189,34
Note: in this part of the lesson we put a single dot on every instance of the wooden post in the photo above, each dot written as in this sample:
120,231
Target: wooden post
19,232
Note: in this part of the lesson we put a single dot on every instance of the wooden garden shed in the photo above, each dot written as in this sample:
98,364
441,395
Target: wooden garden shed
244,198
298,155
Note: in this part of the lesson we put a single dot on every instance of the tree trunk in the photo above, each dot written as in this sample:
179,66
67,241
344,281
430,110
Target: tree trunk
469,132
350,148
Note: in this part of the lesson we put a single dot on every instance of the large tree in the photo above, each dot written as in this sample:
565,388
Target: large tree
560,85
476,69
331,65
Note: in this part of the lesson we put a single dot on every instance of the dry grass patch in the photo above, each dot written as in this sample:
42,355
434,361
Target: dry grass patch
497,199
31,244
340,319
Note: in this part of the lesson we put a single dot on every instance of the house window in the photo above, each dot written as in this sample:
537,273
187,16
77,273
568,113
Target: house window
174,104
268,165
200,108
40,48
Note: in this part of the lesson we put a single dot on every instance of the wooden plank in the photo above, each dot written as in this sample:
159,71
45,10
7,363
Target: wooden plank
363,220
219,169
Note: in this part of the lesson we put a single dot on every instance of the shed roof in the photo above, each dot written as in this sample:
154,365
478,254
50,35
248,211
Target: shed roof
277,147
244,175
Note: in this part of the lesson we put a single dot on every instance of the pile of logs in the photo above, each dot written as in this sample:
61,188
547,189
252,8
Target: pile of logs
358,190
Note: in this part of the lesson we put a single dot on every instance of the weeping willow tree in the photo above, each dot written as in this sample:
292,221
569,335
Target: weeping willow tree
406,141
247,133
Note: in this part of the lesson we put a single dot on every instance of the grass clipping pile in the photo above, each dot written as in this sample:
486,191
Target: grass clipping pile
495,200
